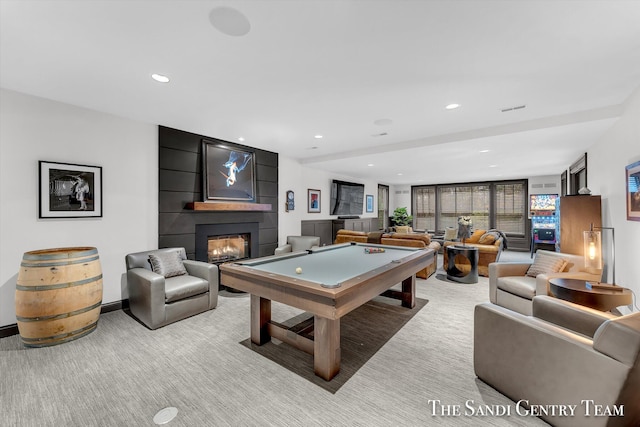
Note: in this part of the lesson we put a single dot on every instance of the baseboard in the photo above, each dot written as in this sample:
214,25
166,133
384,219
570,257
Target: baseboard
9,330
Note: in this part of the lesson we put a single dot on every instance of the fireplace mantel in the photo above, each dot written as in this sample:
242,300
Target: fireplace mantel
228,206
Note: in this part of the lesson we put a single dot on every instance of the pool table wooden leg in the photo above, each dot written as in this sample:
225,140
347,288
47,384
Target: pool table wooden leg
326,347
409,292
260,318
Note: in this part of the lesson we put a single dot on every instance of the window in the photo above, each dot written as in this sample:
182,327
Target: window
578,175
383,207
510,208
424,208
501,205
469,200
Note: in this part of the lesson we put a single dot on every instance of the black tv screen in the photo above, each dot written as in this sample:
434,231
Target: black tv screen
347,198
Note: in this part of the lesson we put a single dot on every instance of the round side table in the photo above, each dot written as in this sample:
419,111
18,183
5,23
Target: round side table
601,298
463,264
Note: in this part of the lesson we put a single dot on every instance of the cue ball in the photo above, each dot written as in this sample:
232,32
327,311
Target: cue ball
298,270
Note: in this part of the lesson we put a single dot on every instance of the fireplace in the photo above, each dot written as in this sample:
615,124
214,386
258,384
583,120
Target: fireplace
218,243
228,248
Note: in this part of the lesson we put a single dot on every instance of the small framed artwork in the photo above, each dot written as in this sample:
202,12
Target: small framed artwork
228,173
369,203
633,191
313,201
68,190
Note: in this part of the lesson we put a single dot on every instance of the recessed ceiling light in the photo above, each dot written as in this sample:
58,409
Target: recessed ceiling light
452,106
318,137
484,151
240,139
493,166
370,164
160,78
399,173
229,21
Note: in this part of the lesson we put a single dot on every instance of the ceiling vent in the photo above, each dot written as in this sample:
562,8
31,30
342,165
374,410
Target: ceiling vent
519,107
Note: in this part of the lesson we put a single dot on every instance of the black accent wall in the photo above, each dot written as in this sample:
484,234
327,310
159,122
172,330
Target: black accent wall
180,175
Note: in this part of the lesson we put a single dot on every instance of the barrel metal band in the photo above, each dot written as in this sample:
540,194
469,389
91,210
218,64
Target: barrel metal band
71,335
62,255
59,263
58,285
59,316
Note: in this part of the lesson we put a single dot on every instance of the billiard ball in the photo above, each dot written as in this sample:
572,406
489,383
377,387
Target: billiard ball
299,270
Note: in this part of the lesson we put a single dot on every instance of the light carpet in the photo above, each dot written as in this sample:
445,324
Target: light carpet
123,373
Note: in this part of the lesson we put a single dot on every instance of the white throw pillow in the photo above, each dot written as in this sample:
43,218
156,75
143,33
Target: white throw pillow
544,263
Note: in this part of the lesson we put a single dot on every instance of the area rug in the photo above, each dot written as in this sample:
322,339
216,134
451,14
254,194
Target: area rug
362,333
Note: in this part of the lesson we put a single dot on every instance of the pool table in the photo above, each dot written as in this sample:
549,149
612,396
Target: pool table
331,281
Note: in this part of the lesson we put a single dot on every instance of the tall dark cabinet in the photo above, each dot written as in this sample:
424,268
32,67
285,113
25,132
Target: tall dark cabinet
577,213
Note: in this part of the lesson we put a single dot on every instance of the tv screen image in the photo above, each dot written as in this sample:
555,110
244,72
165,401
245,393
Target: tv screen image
347,198
543,202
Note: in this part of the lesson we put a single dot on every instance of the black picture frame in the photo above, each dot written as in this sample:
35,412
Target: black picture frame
228,172
632,174
69,190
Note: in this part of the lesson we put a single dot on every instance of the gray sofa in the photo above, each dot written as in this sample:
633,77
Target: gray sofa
157,301
565,354
510,287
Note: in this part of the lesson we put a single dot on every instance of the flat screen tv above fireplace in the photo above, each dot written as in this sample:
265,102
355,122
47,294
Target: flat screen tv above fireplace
347,198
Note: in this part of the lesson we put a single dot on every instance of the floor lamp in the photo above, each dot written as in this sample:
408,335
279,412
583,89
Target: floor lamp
593,249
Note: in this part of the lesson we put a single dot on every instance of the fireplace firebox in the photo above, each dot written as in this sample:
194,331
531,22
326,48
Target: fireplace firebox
228,248
218,243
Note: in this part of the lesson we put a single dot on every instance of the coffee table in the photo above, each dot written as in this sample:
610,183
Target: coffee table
578,291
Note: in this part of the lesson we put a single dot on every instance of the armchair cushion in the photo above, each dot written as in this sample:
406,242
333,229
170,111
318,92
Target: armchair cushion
543,264
167,264
522,286
181,287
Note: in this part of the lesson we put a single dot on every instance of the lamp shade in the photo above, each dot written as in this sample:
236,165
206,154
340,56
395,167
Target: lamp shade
593,250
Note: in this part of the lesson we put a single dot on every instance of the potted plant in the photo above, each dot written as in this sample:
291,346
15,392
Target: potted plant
401,217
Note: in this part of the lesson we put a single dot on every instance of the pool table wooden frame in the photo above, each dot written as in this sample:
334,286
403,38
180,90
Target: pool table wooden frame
320,338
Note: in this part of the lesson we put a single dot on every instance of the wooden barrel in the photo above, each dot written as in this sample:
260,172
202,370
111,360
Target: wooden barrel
58,295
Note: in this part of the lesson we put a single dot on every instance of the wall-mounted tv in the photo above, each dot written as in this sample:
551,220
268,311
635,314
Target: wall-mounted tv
543,202
347,198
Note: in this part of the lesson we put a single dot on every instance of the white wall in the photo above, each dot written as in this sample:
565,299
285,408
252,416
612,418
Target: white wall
33,129
547,184
294,176
606,162
399,197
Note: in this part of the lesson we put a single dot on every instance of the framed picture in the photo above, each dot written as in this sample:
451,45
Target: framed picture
69,191
633,191
313,201
369,203
228,172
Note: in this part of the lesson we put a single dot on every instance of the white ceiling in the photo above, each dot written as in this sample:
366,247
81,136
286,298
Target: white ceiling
335,67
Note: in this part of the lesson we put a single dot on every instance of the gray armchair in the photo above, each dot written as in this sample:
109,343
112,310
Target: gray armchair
565,354
510,287
298,243
157,300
